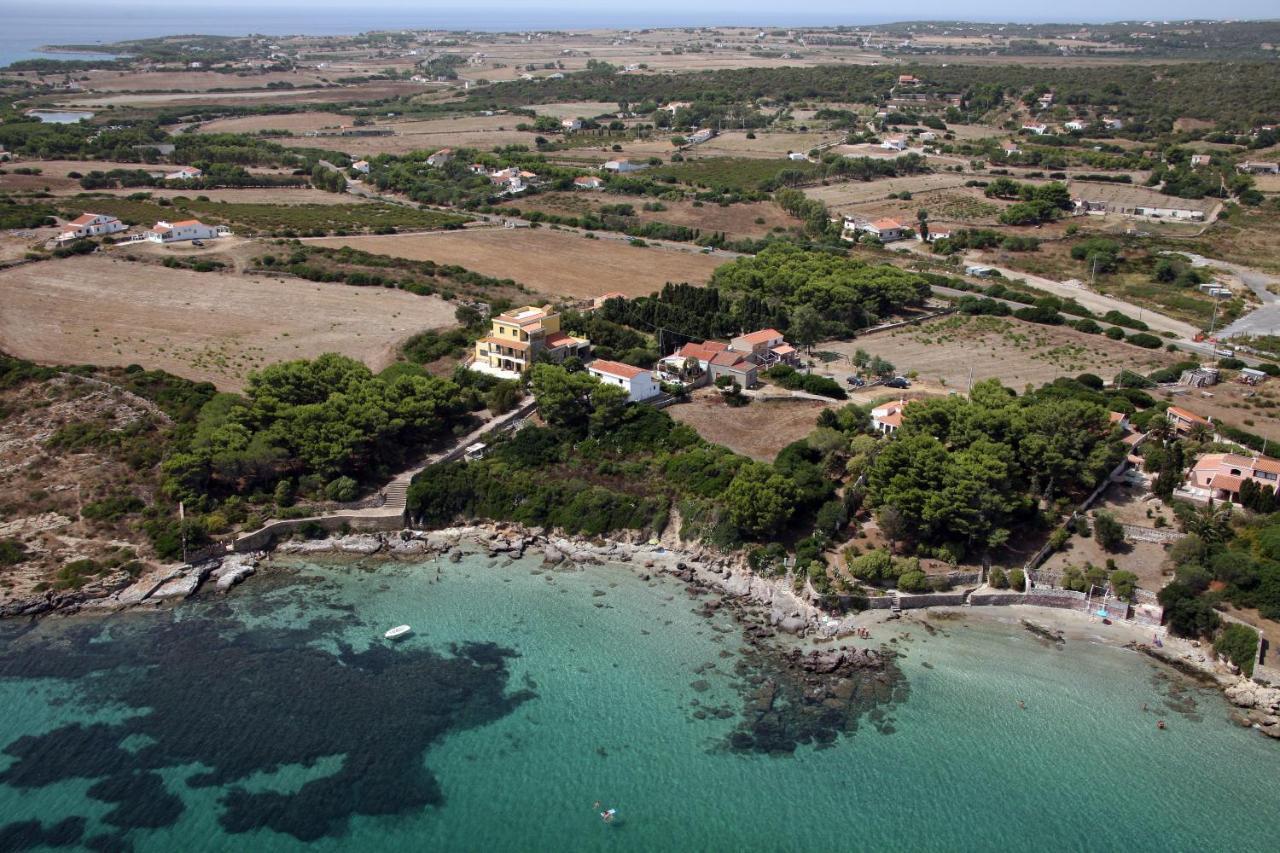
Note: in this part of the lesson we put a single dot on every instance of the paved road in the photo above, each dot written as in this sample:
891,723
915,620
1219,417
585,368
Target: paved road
1263,320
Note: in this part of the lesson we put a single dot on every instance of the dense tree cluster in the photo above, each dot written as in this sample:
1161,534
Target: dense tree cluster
961,472
317,420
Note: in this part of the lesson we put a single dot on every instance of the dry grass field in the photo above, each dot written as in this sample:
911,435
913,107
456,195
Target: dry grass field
853,196
292,122
1124,195
204,326
1017,353
734,143
373,90
736,220
193,81
248,195
561,264
577,109
759,430
484,132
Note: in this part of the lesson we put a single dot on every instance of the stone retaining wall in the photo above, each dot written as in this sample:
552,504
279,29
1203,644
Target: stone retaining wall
997,599
934,599
1137,533
263,539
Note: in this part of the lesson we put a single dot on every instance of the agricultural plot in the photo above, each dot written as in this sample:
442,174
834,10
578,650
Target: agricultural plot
759,430
577,109
193,81
483,132
737,221
1125,196
730,173
292,122
204,326
280,219
558,264
950,350
734,143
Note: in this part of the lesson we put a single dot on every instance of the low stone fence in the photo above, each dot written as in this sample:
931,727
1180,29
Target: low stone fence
931,599
997,599
277,530
887,327
1051,597
880,602
1137,533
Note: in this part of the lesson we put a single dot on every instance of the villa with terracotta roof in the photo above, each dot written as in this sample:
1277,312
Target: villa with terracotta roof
636,381
186,173
886,230
91,225
1184,420
1220,475
887,419
187,229
765,347
519,336
700,352
588,182
444,155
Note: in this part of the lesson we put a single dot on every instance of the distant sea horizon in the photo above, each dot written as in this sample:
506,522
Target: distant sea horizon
29,26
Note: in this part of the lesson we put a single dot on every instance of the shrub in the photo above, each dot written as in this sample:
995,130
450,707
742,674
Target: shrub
1239,644
914,581
1017,580
1107,531
997,578
12,552
341,489
1059,538
1124,583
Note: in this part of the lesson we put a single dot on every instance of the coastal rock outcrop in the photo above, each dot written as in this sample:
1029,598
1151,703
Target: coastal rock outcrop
234,569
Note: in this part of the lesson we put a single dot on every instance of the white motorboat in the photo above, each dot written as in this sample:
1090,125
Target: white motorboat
398,632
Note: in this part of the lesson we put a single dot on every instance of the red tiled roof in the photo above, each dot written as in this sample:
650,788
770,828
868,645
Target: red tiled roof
1186,415
702,352
886,224
729,358
616,368
1267,464
1226,481
83,219
559,339
1116,417
785,349
761,337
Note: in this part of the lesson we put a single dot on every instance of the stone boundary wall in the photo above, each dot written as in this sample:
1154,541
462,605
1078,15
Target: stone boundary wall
997,599
1138,533
264,538
927,599
880,602
1050,597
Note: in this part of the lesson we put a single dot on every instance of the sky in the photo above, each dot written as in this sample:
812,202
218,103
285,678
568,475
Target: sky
764,11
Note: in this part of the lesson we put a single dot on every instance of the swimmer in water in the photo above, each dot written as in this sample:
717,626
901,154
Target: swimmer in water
1022,705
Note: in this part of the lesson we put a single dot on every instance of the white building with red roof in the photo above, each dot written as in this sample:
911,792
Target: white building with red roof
91,225
766,347
186,173
887,419
187,229
1184,420
701,352
636,381
894,143
444,155
588,182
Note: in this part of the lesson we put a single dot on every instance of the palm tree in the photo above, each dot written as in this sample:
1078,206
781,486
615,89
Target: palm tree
1200,433
1211,524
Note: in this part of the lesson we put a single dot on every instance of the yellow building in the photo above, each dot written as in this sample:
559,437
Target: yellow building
520,335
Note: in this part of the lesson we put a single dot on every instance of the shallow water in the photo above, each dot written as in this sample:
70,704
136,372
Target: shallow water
278,719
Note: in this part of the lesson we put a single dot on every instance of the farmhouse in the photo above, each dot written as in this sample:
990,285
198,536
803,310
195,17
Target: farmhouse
1184,420
732,364
187,229
518,337
1112,123
702,353
886,230
1220,475
361,166
622,165
1074,125
1198,160
908,80
1037,129
91,225
766,347
1170,213
894,143
1254,167
1010,148
701,135
186,173
797,155
571,124
636,381
978,271
444,155
887,419
587,182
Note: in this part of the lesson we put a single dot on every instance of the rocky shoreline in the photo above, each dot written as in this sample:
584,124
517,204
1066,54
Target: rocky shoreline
764,607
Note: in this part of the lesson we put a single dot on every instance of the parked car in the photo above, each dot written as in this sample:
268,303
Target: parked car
855,381
197,243
898,382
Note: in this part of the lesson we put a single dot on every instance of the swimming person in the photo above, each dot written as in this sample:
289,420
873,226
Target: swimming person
608,815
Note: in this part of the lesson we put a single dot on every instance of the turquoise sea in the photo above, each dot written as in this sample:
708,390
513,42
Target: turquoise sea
277,718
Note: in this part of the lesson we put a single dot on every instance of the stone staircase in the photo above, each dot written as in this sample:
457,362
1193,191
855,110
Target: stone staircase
897,602
397,493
